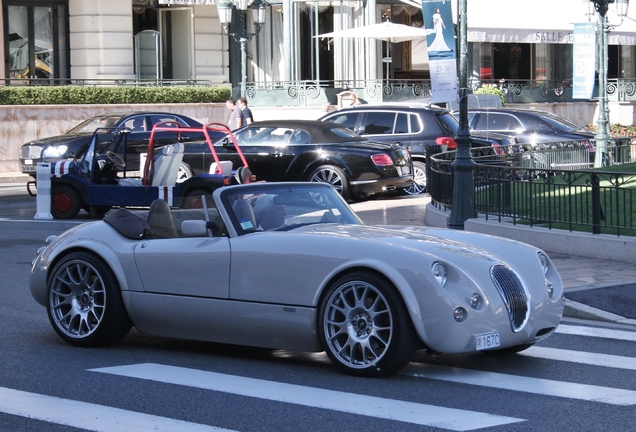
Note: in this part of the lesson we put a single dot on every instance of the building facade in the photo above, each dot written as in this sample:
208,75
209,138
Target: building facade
288,63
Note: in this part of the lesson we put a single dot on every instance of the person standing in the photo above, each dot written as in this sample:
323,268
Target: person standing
235,114
246,114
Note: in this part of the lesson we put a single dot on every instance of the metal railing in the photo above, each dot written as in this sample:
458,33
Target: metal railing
509,188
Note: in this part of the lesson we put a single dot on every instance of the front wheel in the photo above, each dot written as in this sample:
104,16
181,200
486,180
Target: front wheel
364,326
419,179
66,202
332,175
84,302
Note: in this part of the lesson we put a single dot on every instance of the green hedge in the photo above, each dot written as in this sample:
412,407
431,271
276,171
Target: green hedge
491,91
69,95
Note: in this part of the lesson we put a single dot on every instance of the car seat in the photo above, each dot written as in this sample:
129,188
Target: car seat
245,214
160,220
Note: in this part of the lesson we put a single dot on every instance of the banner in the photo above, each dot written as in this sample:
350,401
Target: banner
584,60
440,40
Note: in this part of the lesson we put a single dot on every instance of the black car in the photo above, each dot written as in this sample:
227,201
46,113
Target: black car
311,150
528,126
73,143
413,125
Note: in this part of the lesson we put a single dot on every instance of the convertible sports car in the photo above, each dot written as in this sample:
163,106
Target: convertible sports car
291,266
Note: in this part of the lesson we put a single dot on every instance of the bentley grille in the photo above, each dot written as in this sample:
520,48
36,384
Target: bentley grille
513,295
31,152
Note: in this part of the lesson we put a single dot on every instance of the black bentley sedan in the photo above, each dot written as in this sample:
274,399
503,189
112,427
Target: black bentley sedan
75,141
311,150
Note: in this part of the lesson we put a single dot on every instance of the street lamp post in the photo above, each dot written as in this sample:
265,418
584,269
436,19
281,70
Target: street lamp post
243,36
463,207
602,131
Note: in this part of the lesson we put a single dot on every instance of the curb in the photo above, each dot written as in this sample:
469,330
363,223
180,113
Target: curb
14,178
574,309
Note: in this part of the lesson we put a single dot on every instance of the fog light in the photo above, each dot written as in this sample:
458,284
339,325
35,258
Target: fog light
460,314
475,301
550,290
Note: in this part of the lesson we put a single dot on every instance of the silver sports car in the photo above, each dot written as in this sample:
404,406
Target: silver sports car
291,266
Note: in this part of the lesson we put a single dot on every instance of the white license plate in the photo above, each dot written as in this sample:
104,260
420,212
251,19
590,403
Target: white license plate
404,170
28,161
487,340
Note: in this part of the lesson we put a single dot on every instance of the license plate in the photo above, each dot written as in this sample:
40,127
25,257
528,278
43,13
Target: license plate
487,340
404,170
28,161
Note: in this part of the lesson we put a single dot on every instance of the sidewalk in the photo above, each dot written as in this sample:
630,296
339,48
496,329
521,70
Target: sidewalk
595,289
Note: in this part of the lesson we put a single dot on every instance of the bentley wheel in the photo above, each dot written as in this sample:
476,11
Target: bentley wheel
419,179
184,172
332,175
364,326
66,202
84,302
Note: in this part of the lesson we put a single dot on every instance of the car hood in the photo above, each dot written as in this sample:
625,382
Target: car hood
442,243
61,139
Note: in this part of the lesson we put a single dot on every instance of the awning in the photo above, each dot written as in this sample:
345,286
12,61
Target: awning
540,21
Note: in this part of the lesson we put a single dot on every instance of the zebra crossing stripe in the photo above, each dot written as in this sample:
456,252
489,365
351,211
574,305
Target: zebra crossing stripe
597,332
88,416
409,412
564,389
595,359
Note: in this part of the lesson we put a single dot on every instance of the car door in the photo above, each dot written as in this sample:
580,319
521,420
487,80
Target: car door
196,267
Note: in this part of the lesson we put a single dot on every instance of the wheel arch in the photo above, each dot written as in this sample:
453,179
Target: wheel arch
389,275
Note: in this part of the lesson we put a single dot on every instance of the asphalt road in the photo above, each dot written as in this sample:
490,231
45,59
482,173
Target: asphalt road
583,378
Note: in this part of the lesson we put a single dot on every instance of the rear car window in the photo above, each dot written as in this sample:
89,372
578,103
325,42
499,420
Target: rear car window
379,123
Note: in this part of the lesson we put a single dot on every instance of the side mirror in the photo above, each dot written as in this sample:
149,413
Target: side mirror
196,228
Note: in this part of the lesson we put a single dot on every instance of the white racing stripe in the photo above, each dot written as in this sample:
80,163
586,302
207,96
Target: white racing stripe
605,360
597,332
89,416
427,415
564,389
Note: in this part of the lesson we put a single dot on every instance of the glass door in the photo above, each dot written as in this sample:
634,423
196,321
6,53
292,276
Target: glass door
35,36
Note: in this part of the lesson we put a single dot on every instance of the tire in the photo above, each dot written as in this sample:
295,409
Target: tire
66,202
184,172
193,199
364,326
419,179
334,176
84,302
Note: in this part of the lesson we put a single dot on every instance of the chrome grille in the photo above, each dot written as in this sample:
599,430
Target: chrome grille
31,152
513,295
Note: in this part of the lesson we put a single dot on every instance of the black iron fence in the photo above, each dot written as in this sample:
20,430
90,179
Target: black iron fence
547,187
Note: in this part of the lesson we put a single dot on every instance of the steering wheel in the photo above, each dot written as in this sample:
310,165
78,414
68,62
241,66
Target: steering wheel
115,159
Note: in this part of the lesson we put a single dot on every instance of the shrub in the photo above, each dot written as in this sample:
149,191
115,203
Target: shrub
491,91
69,95
616,130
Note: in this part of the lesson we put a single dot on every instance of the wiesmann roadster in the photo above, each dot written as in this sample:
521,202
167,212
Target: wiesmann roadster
291,266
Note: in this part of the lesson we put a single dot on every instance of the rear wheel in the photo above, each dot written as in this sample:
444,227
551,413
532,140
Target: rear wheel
364,326
334,176
66,202
419,179
84,302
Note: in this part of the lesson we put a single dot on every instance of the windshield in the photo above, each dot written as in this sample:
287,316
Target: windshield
561,123
285,207
92,124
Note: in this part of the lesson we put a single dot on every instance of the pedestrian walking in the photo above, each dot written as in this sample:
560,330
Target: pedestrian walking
235,114
246,114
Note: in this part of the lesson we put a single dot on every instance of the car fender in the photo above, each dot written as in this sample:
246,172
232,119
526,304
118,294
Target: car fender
97,238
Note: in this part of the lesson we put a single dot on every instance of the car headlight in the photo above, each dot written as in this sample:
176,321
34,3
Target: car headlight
545,262
54,151
439,272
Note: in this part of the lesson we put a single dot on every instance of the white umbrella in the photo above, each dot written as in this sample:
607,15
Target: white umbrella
385,31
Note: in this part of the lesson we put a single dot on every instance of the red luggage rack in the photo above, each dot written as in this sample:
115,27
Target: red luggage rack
244,174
